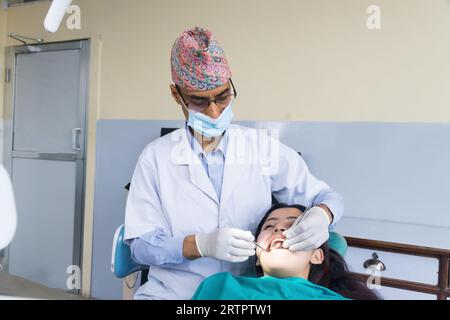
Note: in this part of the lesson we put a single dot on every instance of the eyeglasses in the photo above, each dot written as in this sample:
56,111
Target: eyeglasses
200,104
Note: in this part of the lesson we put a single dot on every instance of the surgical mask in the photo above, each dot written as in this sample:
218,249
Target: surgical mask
208,126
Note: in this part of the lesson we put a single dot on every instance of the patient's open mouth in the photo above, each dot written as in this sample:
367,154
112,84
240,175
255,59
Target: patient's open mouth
276,244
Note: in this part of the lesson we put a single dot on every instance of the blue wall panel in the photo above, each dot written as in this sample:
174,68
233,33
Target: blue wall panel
385,171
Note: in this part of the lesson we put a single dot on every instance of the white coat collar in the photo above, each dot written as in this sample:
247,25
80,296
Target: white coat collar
182,154
235,165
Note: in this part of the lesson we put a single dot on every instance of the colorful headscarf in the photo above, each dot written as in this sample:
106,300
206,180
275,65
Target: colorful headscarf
198,62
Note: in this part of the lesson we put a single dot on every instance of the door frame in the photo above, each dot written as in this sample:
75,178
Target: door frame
79,158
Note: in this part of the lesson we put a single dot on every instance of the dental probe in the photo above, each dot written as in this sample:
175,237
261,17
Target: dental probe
259,246
301,218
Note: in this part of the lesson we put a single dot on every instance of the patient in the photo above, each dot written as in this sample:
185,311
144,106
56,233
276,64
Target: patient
319,274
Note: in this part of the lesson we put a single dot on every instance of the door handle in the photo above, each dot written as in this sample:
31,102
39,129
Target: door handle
76,132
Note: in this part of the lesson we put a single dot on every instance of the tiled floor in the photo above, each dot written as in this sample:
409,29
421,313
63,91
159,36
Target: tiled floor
12,286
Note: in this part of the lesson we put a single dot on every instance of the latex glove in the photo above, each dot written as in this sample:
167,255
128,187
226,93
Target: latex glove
310,233
226,244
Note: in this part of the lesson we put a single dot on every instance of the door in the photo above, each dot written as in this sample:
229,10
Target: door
48,159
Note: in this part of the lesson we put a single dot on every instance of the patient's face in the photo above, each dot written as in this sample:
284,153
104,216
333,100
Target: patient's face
277,261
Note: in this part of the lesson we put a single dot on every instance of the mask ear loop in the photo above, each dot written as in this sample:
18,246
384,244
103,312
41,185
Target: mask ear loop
183,103
135,281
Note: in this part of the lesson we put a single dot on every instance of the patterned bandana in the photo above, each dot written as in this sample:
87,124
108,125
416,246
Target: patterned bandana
198,62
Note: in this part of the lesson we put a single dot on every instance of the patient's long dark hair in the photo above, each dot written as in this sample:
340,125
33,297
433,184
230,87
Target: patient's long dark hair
332,273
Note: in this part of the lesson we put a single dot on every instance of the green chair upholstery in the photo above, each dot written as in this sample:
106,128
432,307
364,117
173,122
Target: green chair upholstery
338,243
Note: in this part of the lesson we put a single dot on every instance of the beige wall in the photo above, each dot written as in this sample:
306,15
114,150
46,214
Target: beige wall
292,59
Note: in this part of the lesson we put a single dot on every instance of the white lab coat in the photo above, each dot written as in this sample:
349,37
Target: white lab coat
170,190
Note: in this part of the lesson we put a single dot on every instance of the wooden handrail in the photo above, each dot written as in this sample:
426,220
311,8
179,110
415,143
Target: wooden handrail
400,284
397,247
441,290
443,281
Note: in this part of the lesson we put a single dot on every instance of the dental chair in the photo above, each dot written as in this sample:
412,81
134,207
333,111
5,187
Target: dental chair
122,264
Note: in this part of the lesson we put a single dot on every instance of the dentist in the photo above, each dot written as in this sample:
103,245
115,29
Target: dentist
198,194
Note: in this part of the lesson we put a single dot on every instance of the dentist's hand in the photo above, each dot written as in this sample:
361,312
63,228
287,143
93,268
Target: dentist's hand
227,244
310,233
